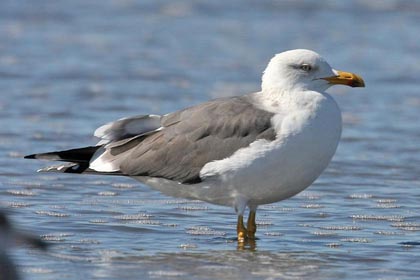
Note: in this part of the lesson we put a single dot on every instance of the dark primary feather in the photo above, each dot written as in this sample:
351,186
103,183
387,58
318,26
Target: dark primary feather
79,159
80,155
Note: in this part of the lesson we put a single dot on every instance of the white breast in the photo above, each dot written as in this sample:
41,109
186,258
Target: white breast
267,172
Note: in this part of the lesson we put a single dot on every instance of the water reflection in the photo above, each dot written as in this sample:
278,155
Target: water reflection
247,245
215,265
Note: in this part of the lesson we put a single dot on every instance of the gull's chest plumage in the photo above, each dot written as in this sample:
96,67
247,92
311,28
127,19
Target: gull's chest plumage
297,161
267,172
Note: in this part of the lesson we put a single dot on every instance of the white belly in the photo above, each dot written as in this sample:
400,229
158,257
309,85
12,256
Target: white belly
267,172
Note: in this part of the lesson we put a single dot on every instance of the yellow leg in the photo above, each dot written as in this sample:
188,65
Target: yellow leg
241,230
251,225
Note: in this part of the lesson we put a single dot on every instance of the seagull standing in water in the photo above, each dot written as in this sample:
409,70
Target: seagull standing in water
240,151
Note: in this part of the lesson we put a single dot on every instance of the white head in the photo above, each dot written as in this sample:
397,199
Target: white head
304,70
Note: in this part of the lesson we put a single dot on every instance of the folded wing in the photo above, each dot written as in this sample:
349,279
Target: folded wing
187,140
174,146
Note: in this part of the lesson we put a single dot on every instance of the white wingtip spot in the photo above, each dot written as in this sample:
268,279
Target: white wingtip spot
101,164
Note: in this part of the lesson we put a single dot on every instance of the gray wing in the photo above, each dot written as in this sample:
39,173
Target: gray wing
190,138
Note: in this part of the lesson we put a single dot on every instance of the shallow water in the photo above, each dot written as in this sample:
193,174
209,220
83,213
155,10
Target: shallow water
68,67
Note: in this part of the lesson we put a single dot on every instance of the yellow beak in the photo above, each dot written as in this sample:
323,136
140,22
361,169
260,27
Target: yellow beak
346,78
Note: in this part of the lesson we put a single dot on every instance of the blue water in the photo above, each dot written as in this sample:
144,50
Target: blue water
66,67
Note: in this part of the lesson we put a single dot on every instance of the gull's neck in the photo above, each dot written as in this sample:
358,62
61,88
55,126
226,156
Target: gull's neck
277,100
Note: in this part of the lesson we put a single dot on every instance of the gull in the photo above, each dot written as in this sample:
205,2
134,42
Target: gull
241,151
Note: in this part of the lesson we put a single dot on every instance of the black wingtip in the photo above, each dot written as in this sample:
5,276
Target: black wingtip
33,156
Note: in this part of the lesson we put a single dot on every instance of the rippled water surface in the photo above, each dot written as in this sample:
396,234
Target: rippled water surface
67,67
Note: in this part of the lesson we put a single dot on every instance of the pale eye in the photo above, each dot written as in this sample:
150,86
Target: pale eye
306,67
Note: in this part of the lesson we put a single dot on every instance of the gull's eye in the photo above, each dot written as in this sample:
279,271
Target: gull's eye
306,67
